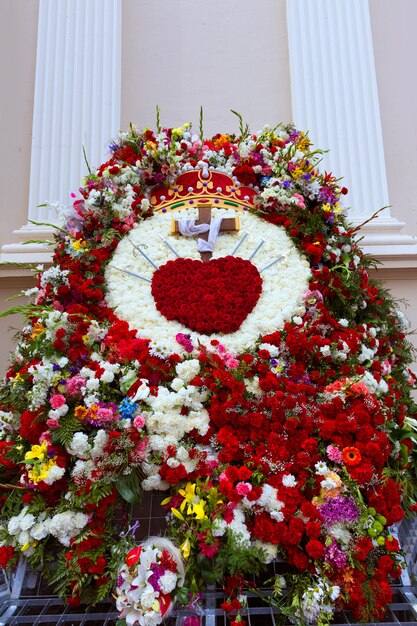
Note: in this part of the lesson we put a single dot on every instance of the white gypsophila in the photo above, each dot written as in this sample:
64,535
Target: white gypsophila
82,471
402,319
79,446
187,370
283,283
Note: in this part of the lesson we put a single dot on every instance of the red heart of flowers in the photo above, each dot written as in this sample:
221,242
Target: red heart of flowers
210,297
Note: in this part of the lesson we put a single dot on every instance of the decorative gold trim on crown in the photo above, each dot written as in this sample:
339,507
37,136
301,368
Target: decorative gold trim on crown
200,187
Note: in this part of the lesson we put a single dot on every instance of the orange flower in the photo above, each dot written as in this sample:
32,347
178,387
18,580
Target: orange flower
351,456
37,330
81,413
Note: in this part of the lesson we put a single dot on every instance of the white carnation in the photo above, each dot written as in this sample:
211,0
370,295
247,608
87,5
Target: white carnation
168,581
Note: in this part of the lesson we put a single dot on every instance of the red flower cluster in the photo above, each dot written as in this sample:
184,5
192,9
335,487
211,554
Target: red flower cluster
207,297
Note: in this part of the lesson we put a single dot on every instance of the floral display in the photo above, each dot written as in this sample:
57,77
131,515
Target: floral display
257,375
147,581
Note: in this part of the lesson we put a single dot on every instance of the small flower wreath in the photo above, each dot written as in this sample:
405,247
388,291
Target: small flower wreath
296,443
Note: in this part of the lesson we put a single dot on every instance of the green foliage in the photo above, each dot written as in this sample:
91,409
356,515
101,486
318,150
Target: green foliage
129,487
68,426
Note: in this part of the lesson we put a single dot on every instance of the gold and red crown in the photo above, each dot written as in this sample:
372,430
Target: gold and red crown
198,187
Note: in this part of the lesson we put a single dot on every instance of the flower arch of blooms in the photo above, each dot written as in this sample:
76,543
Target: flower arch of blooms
299,447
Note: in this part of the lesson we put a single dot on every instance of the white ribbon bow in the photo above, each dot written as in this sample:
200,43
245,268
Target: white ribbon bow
189,228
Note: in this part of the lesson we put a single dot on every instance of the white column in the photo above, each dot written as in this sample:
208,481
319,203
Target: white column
335,96
76,102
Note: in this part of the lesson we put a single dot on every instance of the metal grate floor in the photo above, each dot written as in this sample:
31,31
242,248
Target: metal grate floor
26,599
52,612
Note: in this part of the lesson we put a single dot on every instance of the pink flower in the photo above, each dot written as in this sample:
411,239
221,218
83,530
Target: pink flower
334,454
360,389
386,368
105,415
232,363
52,423
299,200
243,488
57,401
74,385
45,436
139,422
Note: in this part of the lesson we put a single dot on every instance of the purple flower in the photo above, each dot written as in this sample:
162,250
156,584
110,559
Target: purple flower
157,572
339,509
334,556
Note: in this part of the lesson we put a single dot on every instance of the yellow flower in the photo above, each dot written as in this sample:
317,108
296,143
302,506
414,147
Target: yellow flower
188,494
327,208
185,548
303,142
198,510
40,472
177,514
297,173
80,245
37,452
17,379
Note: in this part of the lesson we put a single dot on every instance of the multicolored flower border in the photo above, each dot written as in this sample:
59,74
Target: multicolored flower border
301,447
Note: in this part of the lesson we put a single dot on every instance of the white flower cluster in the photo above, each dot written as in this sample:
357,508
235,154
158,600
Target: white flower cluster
164,422
87,454
44,376
8,423
136,598
374,386
53,321
317,601
27,530
268,500
54,276
283,283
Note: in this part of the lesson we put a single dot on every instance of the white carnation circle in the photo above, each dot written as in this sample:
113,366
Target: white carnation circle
284,283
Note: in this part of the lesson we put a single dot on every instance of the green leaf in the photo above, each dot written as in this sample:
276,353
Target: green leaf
404,453
129,488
